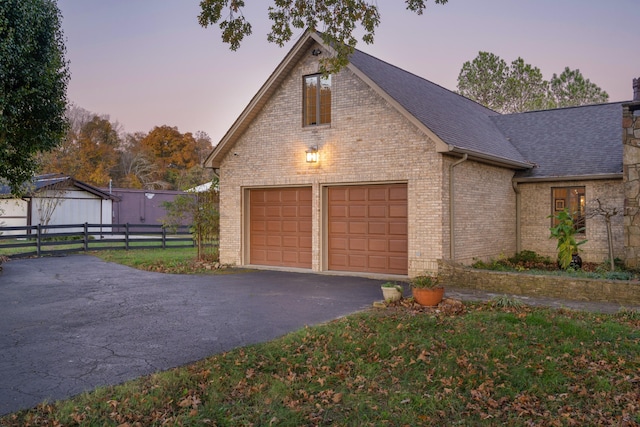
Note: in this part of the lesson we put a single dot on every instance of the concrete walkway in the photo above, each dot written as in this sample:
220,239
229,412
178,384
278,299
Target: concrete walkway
69,324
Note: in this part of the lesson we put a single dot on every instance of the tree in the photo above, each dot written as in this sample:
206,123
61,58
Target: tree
484,80
570,89
337,20
33,84
173,152
89,150
525,89
521,86
606,212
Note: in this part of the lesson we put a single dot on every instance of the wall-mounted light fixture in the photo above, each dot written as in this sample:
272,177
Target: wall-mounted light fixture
312,154
316,52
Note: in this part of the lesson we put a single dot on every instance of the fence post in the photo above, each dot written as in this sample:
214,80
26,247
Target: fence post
164,237
38,240
126,236
86,236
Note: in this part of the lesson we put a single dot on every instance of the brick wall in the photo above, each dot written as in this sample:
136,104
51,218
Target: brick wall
535,224
485,223
367,142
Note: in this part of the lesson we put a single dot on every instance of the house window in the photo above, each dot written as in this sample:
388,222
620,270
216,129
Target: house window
570,198
317,100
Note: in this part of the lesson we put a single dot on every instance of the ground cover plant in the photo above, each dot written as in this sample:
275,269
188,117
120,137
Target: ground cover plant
487,364
532,263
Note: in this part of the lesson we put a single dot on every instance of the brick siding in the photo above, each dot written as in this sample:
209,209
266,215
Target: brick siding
535,221
367,142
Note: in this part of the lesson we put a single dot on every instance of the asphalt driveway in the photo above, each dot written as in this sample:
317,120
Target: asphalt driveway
69,324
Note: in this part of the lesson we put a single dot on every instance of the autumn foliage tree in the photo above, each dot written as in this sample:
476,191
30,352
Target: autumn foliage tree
95,150
174,153
89,150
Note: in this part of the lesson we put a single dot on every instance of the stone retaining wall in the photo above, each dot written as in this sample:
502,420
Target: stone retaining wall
619,291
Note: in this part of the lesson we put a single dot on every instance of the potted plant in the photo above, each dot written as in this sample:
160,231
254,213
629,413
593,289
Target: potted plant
427,290
391,291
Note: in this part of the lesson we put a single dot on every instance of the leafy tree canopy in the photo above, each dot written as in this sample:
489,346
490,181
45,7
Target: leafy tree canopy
336,19
33,84
519,86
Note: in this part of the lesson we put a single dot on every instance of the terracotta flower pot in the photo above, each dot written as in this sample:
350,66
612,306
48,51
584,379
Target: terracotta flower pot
428,296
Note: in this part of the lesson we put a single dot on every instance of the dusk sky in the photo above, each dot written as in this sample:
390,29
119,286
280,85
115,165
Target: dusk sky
148,63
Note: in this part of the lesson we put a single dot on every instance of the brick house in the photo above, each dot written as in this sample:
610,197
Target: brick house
377,170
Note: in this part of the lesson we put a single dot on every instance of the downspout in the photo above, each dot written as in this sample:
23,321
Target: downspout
452,207
518,209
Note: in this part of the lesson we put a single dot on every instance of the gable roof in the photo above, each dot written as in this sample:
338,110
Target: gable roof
567,143
589,136
457,124
42,182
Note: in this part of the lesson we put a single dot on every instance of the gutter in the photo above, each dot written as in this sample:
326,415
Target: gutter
591,177
518,209
452,207
487,158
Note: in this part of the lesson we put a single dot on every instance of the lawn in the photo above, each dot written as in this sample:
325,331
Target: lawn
492,364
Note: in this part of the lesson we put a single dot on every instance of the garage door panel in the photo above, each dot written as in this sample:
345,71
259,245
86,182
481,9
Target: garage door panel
397,263
338,227
368,228
398,228
338,260
274,226
280,226
398,246
338,243
378,211
258,226
305,242
357,228
377,245
398,193
398,211
338,194
338,211
357,244
289,211
357,211
357,194
289,226
356,260
378,227
304,212
378,194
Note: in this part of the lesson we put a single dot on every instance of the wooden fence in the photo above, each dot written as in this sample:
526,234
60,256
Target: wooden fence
39,240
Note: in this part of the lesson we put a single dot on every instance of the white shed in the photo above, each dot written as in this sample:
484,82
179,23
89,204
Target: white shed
57,200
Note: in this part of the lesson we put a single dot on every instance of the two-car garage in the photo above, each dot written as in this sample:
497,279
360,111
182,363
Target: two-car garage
364,227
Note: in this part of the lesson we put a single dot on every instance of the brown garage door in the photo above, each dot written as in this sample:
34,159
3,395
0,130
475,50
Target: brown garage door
368,228
280,227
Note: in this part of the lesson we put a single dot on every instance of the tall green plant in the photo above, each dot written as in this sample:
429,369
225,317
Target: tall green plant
565,232
202,208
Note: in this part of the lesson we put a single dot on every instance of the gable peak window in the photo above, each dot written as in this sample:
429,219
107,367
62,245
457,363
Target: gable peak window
317,100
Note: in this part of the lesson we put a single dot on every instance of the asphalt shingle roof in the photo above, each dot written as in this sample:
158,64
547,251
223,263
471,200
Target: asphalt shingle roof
573,141
457,120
